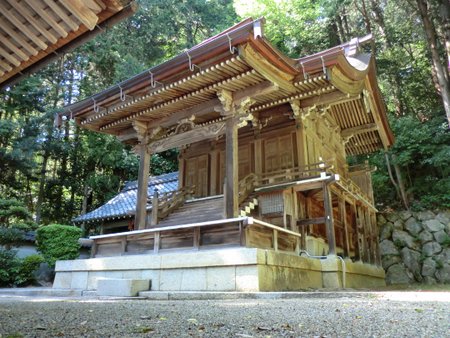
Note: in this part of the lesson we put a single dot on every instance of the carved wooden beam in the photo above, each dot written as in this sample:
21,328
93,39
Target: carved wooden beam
195,135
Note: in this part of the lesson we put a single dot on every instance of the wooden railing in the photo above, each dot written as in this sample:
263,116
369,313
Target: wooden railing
270,236
226,232
294,173
163,205
246,186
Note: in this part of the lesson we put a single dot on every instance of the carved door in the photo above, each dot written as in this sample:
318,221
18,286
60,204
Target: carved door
197,175
278,153
286,152
202,176
271,160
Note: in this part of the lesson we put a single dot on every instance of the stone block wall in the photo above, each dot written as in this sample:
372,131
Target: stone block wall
415,246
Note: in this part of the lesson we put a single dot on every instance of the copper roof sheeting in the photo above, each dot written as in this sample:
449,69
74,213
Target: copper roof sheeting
34,32
241,59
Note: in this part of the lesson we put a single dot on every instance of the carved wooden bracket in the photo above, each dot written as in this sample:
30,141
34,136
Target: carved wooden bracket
226,98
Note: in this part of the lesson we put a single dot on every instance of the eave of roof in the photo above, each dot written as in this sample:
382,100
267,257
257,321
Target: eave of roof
339,72
114,11
228,39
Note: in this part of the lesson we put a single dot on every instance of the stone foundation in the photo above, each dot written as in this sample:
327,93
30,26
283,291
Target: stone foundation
415,246
234,269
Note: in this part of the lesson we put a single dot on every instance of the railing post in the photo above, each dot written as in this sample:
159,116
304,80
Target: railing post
275,240
196,241
124,244
94,249
327,203
225,197
242,238
155,207
156,244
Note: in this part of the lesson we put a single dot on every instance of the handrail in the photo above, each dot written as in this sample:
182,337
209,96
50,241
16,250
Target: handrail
296,172
252,220
246,185
173,227
275,230
172,200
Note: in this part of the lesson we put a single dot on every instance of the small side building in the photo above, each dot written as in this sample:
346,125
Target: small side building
117,215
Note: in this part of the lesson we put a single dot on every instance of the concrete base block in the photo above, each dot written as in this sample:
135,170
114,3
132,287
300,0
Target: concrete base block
122,287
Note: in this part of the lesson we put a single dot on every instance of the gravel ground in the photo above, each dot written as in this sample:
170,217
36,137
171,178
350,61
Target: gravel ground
376,315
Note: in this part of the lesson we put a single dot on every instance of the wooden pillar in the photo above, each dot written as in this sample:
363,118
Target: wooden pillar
329,224
141,201
356,227
305,230
343,219
155,207
231,169
213,172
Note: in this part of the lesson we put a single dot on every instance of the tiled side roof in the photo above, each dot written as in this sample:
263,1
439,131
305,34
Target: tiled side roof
125,202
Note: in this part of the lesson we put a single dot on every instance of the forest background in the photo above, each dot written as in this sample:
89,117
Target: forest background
50,175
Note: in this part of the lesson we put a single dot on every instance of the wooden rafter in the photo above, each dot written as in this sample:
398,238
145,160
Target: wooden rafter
35,32
21,27
81,12
8,44
9,57
62,14
28,15
19,39
35,5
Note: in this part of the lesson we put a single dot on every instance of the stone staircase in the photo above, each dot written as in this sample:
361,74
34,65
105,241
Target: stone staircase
196,211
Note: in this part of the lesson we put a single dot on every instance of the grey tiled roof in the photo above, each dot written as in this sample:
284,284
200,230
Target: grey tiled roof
125,202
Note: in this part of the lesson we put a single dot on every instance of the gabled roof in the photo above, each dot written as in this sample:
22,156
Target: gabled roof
243,63
122,205
35,32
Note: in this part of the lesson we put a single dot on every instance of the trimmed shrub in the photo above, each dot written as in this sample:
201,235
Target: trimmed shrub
58,242
10,237
9,267
28,266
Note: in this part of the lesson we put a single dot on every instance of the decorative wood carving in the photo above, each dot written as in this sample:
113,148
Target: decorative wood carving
197,134
226,98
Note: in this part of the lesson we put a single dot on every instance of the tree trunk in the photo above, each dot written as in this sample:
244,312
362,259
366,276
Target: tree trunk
430,33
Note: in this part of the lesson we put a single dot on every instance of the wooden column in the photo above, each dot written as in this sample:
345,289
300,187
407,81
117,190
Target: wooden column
141,201
155,207
231,169
214,171
356,227
329,224
343,219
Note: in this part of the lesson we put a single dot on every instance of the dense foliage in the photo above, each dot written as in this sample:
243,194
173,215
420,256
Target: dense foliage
59,173
58,242
15,219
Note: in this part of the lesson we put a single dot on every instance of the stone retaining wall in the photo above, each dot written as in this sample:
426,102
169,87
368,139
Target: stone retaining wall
415,246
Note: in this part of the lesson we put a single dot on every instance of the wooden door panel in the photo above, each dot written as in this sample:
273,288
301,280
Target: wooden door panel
244,161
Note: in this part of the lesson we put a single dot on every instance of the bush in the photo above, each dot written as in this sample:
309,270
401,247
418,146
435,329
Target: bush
28,265
58,242
10,237
9,267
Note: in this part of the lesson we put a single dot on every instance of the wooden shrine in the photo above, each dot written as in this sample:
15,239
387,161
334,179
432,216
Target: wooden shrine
263,143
